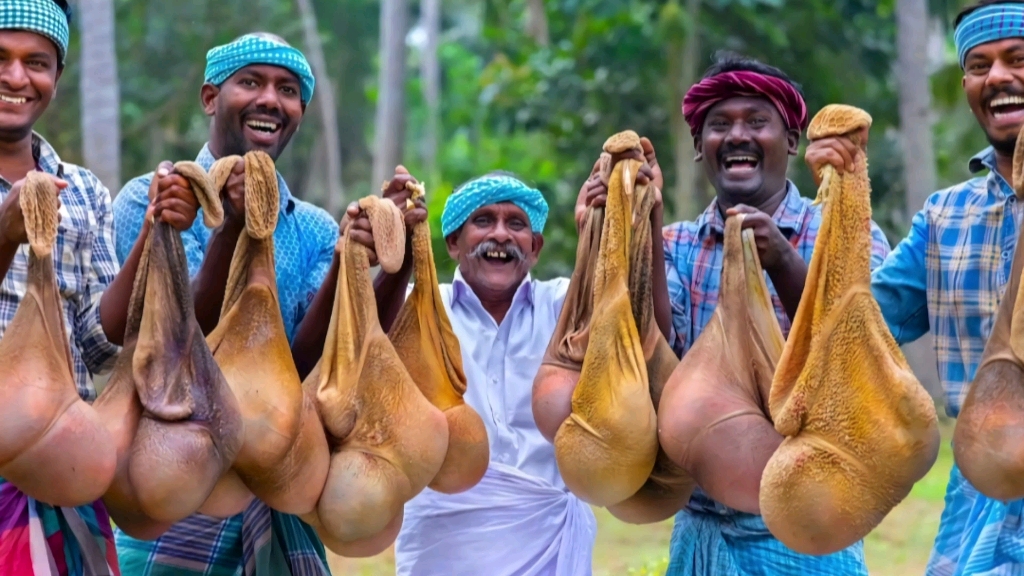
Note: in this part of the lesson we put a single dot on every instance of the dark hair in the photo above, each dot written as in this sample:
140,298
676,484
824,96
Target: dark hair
65,7
979,4
726,61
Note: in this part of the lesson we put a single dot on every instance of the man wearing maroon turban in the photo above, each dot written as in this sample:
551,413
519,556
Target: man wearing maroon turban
746,119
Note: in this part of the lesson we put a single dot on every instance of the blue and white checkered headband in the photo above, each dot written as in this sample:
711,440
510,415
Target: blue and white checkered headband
492,190
988,24
43,17
223,61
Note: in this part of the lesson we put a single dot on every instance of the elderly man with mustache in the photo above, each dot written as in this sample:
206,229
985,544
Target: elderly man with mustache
520,518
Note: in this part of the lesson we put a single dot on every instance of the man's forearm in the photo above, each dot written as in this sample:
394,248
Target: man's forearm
117,297
7,253
789,278
311,334
389,290
659,281
212,280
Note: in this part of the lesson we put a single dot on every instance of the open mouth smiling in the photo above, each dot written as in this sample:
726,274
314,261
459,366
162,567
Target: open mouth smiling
13,99
498,257
1007,109
740,163
263,126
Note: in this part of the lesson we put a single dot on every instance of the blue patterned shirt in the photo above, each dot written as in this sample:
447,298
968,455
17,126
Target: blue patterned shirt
84,261
709,537
950,272
693,258
948,276
303,249
303,241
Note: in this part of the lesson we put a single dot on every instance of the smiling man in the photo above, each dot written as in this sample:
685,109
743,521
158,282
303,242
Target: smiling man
951,270
256,91
520,518
746,119
35,537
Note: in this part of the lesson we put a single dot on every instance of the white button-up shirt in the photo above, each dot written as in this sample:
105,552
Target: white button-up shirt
519,520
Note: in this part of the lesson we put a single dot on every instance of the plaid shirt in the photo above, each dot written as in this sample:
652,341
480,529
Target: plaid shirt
948,276
710,538
84,261
258,539
694,253
950,272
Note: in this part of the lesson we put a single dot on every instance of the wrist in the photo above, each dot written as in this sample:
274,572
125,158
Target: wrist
786,260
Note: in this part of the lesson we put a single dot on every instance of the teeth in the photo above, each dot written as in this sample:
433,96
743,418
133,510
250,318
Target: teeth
497,255
741,159
13,99
1006,101
262,125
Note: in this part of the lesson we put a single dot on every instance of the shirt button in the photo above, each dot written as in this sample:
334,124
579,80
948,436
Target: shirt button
494,380
1006,254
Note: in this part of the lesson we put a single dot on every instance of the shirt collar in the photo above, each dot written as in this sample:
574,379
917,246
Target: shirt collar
46,158
461,289
986,160
206,160
789,215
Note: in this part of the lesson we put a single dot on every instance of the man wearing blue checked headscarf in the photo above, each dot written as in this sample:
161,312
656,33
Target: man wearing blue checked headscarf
37,535
255,92
519,518
949,275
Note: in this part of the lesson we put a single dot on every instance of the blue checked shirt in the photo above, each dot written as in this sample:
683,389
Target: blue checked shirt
950,272
948,276
303,241
694,253
710,538
241,545
84,261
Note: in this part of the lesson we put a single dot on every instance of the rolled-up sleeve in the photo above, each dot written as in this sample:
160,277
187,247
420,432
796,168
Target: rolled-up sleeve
900,284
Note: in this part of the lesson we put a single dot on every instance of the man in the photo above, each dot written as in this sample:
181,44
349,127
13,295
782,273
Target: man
34,38
948,275
256,91
746,119
520,518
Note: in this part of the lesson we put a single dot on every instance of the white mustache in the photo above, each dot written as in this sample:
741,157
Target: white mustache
491,246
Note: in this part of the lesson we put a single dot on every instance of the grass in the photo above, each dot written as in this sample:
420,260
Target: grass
900,545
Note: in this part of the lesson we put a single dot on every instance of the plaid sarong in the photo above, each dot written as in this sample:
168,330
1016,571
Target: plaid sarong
738,544
257,542
37,539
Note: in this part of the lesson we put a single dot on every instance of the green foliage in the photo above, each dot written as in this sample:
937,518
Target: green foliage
509,103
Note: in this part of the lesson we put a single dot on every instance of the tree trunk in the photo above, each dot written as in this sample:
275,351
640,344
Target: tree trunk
100,94
918,152
328,107
689,198
915,102
430,73
537,22
390,121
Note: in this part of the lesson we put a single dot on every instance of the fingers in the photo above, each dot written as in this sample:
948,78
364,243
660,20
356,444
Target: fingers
648,148
742,209
645,175
353,210
400,170
239,168
164,168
